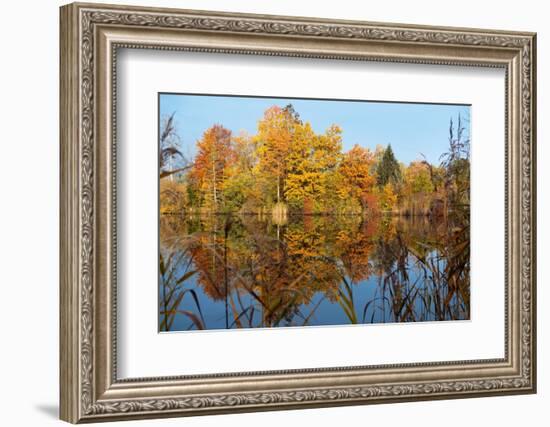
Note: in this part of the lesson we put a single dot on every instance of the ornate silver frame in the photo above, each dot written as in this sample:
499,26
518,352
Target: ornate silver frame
90,36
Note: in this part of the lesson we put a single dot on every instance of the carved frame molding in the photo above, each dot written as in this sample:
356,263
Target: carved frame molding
90,37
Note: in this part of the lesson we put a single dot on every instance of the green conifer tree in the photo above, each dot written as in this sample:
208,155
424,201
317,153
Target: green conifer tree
388,170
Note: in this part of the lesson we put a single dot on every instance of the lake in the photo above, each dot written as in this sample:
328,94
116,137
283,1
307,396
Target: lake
254,271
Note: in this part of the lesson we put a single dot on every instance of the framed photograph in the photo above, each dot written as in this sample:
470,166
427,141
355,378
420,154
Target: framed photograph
266,212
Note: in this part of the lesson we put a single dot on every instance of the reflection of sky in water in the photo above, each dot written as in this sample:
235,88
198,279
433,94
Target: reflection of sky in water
374,292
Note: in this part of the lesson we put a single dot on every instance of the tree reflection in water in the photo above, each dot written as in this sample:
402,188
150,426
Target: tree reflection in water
249,271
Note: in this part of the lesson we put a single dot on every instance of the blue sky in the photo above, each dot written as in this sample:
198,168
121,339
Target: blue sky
411,129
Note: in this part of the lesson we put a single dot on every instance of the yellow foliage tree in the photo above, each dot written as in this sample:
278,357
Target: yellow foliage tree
274,138
311,160
387,198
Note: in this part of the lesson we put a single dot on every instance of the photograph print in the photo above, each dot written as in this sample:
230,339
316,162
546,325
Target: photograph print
282,212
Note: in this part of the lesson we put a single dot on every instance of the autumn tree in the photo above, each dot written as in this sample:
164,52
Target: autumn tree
212,164
379,153
274,138
243,188
311,159
244,147
356,170
418,178
387,197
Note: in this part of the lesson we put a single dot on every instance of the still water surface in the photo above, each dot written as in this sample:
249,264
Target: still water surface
230,271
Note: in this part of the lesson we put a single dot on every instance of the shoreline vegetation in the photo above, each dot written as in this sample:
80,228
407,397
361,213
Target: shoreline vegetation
287,169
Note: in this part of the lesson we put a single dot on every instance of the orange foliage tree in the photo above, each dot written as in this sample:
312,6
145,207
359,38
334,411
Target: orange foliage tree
356,170
212,164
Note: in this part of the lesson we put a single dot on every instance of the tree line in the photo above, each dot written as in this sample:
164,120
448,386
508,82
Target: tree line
288,168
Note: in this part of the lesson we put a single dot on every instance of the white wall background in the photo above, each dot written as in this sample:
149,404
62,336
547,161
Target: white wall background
29,170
